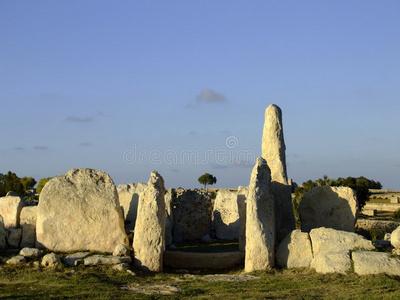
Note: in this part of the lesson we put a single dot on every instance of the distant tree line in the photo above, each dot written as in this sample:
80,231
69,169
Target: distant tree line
11,182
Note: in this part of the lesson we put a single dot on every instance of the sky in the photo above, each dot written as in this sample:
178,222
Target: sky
181,87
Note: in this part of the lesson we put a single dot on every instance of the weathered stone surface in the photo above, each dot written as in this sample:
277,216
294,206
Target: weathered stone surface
330,240
273,144
129,195
273,151
51,260
226,215
193,210
19,259
75,258
149,238
28,238
121,267
31,252
260,220
294,251
80,211
106,260
197,260
122,250
366,263
14,238
328,206
10,209
332,262
241,202
28,224
28,215
3,234
395,238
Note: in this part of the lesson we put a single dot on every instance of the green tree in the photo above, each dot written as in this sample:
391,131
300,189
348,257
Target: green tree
42,183
207,179
28,183
11,182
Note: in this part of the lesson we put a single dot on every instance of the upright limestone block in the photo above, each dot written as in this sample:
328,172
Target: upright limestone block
149,238
28,225
226,215
10,209
241,202
260,220
3,234
129,195
330,207
273,151
80,211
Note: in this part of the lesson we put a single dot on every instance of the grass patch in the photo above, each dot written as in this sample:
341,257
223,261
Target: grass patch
103,283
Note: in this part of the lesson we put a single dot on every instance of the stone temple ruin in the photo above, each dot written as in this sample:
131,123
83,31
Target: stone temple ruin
83,211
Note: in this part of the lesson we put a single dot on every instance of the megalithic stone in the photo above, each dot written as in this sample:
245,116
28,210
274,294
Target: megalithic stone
260,220
273,151
149,237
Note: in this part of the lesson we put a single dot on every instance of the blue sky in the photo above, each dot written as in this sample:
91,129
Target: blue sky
181,87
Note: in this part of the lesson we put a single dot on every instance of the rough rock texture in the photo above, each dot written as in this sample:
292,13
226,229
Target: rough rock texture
241,202
193,210
28,224
51,260
129,195
273,151
328,206
28,215
260,220
122,250
31,252
332,262
395,238
75,258
294,251
366,263
148,241
19,259
10,209
3,234
80,211
121,267
226,215
14,238
105,260
330,240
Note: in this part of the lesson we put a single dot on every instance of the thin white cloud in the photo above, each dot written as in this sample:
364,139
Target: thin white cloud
210,96
85,144
41,148
79,119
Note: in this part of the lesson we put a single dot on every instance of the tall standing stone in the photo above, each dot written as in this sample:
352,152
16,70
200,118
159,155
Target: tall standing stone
10,210
241,202
149,238
80,211
260,220
273,151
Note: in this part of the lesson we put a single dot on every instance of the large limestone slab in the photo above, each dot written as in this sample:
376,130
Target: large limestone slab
10,209
241,202
80,211
260,220
294,251
332,262
193,210
273,151
105,260
149,238
129,195
328,206
28,237
395,238
366,263
226,215
330,240
28,215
